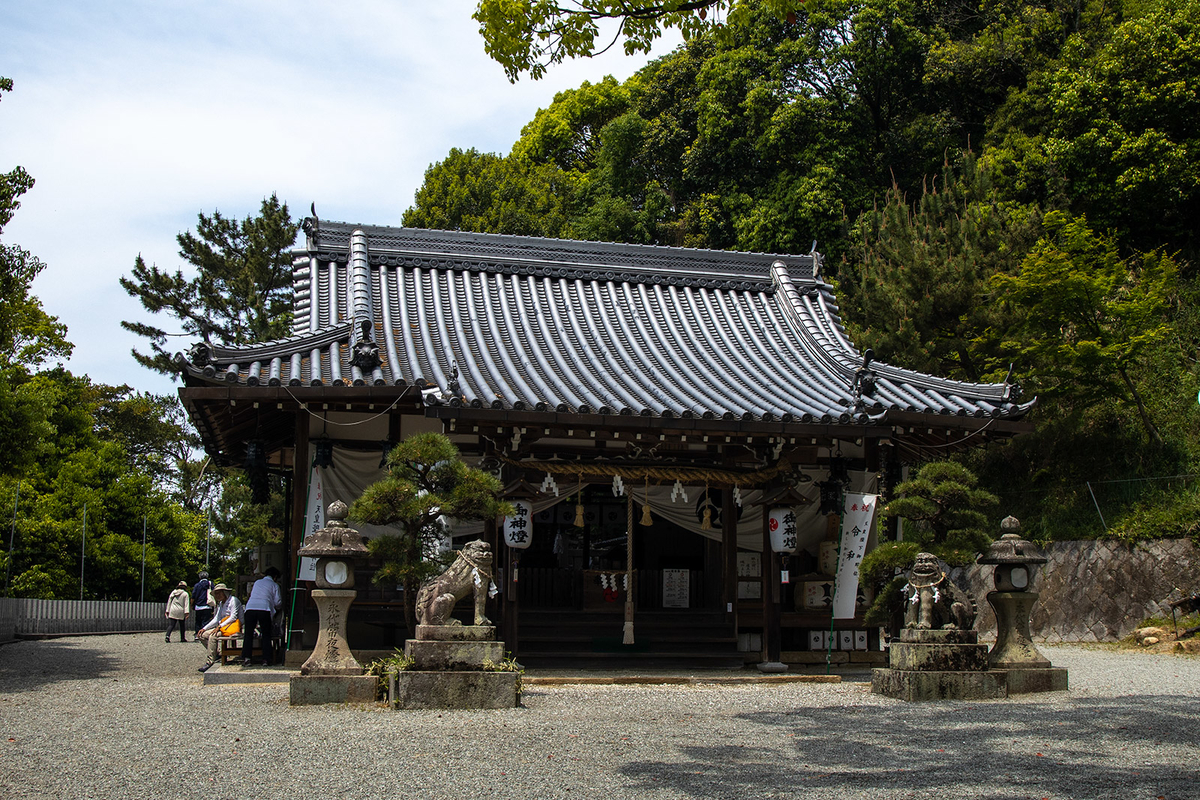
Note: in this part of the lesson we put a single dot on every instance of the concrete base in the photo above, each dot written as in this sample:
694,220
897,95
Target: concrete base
1028,681
916,686
461,655
223,674
455,690
938,657
313,690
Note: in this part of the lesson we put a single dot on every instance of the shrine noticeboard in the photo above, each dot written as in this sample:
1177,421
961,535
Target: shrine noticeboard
675,588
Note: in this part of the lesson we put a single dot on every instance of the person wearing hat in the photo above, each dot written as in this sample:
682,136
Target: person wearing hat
227,621
178,609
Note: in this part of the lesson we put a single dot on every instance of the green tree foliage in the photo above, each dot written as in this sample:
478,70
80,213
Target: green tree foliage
1112,127
426,481
67,443
916,281
240,290
28,335
78,463
527,36
1088,318
473,191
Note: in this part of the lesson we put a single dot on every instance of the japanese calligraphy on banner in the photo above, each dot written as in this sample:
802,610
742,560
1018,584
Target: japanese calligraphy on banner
314,521
518,529
857,517
782,526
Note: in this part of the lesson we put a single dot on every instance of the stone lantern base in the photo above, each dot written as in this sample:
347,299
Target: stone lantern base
449,670
1035,679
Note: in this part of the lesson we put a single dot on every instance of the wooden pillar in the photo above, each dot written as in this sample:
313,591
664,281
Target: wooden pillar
301,467
770,593
729,551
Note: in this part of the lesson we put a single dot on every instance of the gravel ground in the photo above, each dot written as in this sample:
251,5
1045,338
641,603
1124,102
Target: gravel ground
128,717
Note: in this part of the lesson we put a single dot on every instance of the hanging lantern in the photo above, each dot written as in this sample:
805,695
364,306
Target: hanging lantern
782,524
780,506
518,529
323,452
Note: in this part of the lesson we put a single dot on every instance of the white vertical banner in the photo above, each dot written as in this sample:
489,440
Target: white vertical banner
858,514
314,521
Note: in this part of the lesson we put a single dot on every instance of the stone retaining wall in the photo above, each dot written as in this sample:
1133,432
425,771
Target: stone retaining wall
1100,590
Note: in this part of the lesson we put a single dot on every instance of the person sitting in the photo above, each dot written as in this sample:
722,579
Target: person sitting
227,621
265,600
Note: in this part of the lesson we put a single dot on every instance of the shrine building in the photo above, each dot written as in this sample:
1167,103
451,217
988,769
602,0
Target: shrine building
610,385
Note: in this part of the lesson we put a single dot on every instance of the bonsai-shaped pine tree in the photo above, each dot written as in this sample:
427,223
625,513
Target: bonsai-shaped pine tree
944,512
426,480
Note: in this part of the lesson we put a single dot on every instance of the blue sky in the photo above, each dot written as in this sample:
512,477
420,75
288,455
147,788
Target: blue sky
134,115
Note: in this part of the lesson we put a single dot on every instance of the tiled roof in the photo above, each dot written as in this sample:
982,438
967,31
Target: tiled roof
511,322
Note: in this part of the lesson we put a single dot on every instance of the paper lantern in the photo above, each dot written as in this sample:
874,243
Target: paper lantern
782,525
518,529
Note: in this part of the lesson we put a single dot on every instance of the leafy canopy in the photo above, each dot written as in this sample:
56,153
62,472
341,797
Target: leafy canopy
528,36
1088,316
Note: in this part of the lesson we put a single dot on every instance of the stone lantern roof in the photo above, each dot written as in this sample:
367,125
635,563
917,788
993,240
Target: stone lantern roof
336,539
1010,548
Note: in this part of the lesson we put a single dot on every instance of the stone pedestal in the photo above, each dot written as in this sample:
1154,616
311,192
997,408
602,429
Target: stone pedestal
1027,670
1014,646
938,665
449,670
332,656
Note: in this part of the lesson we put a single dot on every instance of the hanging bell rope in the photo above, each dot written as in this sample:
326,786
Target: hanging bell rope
706,525
646,520
579,504
627,637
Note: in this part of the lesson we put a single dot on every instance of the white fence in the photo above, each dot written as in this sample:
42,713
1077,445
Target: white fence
28,617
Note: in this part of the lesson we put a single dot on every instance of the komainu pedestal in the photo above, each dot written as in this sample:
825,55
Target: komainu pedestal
454,665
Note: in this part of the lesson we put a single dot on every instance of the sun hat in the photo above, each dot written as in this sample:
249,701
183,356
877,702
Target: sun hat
220,587
181,585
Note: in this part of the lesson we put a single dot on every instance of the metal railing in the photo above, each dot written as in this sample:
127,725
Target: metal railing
32,617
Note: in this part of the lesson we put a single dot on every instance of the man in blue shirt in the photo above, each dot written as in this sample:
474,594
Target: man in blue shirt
265,600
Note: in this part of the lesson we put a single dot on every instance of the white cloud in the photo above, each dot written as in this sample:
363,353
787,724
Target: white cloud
134,116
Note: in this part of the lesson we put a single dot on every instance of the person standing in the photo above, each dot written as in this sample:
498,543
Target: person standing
226,622
265,600
178,610
201,603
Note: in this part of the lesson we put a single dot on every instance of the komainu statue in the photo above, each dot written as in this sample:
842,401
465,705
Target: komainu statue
470,572
932,602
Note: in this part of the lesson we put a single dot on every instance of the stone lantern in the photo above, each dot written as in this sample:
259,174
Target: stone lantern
332,674
1016,560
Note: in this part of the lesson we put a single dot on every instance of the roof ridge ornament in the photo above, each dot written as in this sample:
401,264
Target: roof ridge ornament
366,352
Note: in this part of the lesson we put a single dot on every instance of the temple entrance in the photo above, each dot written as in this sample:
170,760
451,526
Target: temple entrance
572,590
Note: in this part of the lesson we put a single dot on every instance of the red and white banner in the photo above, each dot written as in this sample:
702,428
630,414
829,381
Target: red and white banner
858,515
